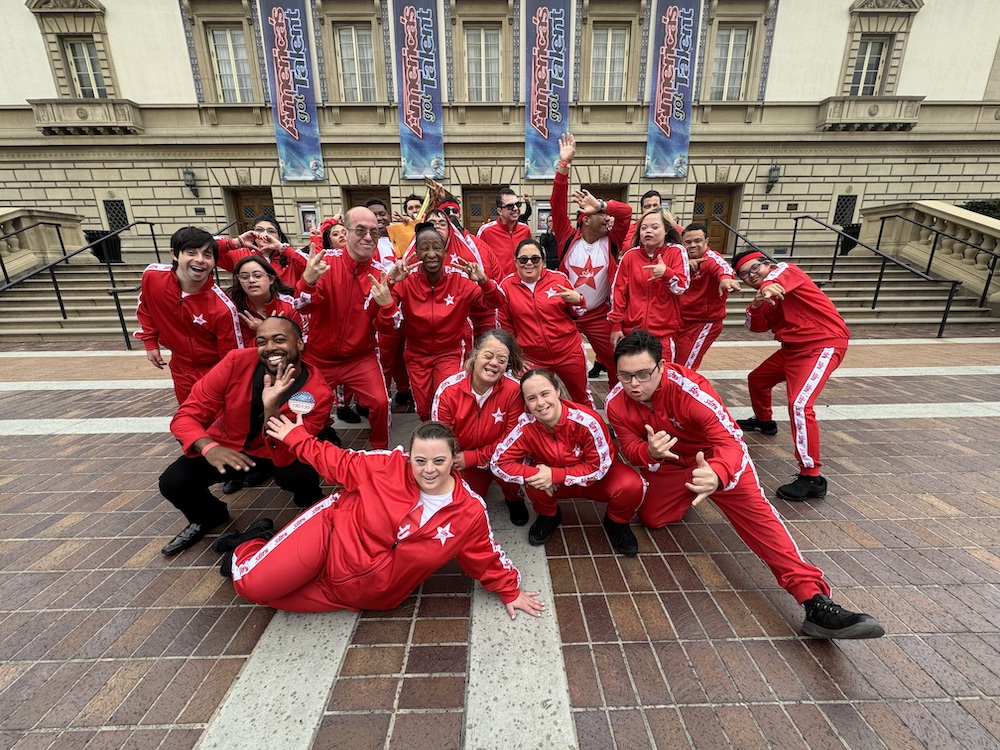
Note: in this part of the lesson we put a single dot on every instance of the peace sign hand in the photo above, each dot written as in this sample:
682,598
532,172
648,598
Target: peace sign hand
472,270
570,295
401,269
316,266
380,290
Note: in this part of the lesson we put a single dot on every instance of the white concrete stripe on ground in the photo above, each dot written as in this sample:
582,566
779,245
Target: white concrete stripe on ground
280,694
829,412
843,372
529,706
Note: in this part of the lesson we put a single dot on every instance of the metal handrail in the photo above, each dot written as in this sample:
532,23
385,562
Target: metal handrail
217,232
743,237
62,246
886,258
121,315
937,235
50,267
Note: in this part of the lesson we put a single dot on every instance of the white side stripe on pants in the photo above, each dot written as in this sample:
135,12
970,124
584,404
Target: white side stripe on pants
799,407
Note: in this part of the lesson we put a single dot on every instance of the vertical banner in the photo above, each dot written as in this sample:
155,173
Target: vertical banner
293,88
675,28
421,132
546,92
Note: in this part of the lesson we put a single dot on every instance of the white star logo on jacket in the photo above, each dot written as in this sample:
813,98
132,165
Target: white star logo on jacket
449,300
497,416
550,293
199,320
444,533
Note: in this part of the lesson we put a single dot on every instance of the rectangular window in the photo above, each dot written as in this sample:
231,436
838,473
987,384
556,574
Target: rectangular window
482,51
356,55
85,67
730,63
607,65
869,65
232,67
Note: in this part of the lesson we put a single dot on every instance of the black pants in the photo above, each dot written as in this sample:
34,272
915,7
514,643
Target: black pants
186,481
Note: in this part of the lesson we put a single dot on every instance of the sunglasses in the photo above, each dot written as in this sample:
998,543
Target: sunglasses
526,259
451,211
511,206
361,232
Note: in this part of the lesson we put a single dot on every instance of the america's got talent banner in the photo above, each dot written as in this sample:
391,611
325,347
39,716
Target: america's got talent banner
546,92
293,88
675,29
421,131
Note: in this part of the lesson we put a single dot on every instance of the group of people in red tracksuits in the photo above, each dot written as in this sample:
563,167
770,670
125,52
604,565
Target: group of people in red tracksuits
495,360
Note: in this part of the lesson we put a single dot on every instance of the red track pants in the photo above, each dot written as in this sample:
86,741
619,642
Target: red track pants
621,488
362,376
693,340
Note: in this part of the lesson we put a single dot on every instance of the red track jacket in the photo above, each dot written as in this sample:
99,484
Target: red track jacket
340,308
219,408
702,301
289,264
688,408
805,319
479,429
280,304
639,301
369,565
504,243
579,450
543,323
198,328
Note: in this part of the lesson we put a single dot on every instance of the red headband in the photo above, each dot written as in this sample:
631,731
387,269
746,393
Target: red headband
752,256
450,204
327,223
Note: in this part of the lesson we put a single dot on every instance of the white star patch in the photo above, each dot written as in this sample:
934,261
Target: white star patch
497,416
577,451
449,300
444,533
453,259
550,293
199,320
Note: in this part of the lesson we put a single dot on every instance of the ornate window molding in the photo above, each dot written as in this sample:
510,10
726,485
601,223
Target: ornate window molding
726,26
205,18
74,20
878,20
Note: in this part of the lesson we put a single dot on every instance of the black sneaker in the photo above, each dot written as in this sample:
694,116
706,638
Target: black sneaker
346,414
770,427
543,527
518,510
361,410
261,529
622,538
231,486
803,488
330,435
596,370
827,619
404,398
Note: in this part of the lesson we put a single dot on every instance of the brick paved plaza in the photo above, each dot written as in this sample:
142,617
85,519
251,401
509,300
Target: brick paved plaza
107,644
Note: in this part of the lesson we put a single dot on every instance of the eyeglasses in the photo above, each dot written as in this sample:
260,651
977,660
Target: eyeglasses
256,276
511,206
440,223
361,232
266,230
752,270
451,211
643,376
526,259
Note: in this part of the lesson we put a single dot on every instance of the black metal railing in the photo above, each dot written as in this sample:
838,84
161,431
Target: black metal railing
886,259
62,246
50,267
938,234
116,294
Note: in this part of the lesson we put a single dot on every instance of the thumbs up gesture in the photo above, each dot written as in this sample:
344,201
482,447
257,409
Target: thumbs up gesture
704,481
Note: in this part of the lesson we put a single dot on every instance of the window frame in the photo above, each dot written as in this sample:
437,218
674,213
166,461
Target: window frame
94,74
735,14
483,26
336,26
210,30
60,26
858,85
741,94
870,20
206,17
610,27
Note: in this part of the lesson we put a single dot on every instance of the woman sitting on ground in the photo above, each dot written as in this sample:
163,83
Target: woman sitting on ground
399,519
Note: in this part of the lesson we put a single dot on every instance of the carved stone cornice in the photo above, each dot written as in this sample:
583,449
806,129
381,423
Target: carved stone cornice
869,113
87,116
887,6
65,6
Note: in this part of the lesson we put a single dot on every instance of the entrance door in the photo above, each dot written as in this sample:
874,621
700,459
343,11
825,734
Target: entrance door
251,203
717,201
478,206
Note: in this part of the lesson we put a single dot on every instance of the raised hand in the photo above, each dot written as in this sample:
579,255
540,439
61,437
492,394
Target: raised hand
275,387
278,427
567,147
728,285
660,443
587,202
316,266
380,290
470,269
252,322
570,295
771,293
249,239
704,481
401,269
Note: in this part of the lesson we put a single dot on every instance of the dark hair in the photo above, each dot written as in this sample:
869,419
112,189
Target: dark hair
529,241
422,228
672,235
548,375
292,323
376,202
328,234
649,194
515,362
738,258
271,219
239,296
696,227
435,431
412,197
192,238
637,342
502,193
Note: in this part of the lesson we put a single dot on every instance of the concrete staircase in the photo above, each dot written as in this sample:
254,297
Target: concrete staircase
30,313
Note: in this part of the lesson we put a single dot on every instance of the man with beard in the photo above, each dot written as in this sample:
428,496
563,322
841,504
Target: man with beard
221,428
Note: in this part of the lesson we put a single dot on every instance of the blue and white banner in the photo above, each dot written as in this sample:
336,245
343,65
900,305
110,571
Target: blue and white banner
675,29
293,88
421,130
546,92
